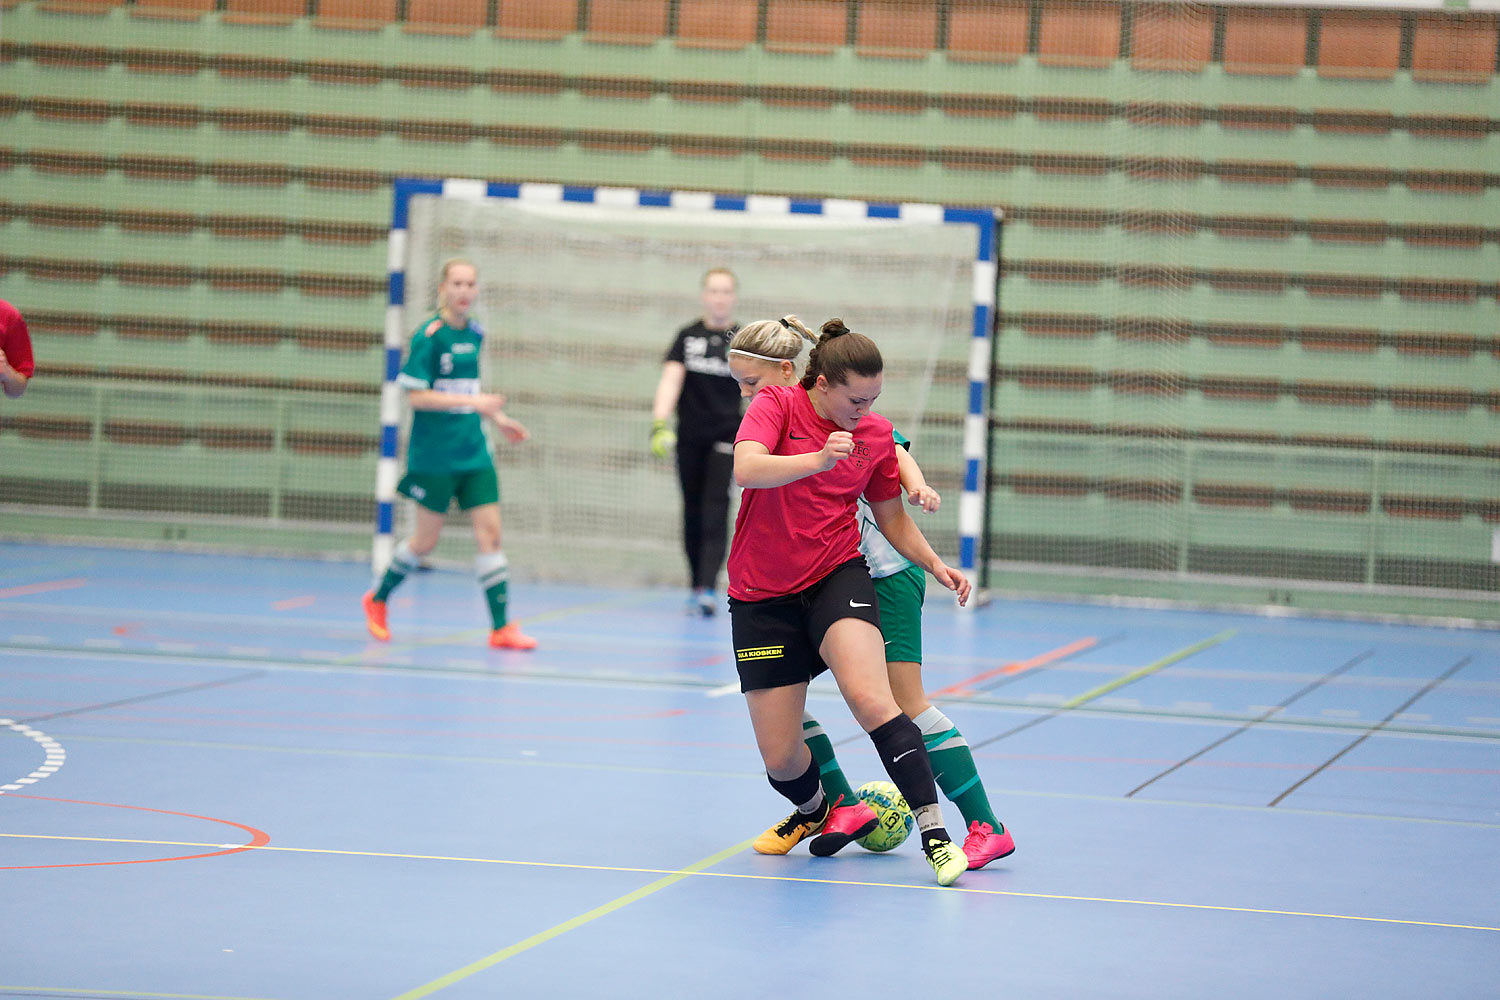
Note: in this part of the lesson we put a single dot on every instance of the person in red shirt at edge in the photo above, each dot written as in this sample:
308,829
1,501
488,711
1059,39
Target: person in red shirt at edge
801,597
16,364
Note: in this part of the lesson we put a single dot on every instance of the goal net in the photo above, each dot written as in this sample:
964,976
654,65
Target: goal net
581,293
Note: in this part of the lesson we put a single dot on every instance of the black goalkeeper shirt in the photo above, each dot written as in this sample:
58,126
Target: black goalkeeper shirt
709,407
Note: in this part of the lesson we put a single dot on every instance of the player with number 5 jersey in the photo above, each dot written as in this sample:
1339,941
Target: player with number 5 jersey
448,455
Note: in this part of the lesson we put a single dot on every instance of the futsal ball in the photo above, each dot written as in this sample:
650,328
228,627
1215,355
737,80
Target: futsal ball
896,820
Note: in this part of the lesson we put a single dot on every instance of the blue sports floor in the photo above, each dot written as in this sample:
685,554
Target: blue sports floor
215,786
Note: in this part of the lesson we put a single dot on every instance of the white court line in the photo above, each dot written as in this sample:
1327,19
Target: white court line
55,755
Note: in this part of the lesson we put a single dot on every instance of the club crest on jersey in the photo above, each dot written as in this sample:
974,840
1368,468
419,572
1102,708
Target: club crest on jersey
860,455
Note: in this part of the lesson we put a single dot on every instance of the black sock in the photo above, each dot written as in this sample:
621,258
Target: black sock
802,790
899,743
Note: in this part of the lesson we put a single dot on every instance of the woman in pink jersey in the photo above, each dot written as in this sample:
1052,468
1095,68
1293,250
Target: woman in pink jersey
16,364
801,597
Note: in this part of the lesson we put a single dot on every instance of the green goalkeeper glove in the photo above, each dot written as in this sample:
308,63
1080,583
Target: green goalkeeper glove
663,438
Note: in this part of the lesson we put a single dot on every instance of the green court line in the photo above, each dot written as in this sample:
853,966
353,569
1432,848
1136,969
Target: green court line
567,925
1147,670
698,869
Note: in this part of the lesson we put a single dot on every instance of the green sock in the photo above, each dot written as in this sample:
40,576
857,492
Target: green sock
953,766
829,772
493,572
403,561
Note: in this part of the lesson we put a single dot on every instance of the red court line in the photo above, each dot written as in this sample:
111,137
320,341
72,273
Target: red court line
72,583
258,838
964,687
306,600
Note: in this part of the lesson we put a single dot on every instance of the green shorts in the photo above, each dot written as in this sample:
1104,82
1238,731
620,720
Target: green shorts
473,488
901,595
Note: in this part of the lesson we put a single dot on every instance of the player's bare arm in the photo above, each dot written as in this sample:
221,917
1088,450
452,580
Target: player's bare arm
13,382
668,389
902,532
756,468
918,493
515,432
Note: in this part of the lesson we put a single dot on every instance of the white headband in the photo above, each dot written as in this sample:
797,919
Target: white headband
762,357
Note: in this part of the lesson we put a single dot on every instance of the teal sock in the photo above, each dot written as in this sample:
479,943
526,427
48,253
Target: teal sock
403,561
493,572
829,772
953,766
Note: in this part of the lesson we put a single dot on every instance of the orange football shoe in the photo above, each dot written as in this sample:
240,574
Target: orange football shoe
375,617
511,637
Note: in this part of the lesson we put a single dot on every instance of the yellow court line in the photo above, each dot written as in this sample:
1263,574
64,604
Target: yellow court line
568,925
673,875
1148,669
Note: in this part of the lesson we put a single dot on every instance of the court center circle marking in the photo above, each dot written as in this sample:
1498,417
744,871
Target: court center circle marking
258,838
55,757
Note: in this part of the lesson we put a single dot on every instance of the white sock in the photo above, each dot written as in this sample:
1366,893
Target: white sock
491,568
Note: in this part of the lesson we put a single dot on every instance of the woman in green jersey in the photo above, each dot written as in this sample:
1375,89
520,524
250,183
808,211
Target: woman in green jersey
448,454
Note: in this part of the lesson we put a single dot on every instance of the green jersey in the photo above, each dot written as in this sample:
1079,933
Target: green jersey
880,555
446,360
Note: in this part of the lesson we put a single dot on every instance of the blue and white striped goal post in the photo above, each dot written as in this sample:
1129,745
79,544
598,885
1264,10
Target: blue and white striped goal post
986,276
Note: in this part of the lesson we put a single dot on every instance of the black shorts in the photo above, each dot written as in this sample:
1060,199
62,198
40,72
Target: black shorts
776,640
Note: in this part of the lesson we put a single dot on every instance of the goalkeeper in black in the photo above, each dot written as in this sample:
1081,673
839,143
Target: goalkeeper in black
696,384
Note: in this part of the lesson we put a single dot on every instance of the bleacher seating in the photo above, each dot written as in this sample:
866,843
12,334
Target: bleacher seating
629,22
717,24
1454,48
1264,41
1171,37
1359,44
355,15
1079,33
898,29
445,17
806,26
263,12
547,20
1296,206
186,9
988,32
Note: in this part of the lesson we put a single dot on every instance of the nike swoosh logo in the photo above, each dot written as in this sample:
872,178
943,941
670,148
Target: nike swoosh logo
798,437
897,758
856,604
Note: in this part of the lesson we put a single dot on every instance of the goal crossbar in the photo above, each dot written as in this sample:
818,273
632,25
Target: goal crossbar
985,224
